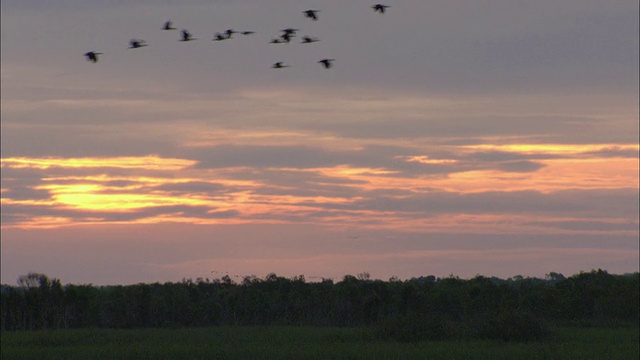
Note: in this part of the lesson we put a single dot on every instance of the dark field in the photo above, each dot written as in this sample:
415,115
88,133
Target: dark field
305,343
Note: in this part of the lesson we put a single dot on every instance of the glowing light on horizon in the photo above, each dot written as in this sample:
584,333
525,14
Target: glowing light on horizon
349,171
424,159
94,197
141,181
142,162
556,149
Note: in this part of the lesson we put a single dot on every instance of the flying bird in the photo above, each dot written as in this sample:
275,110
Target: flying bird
247,32
309,39
279,65
168,26
311,14
289,31
380,8
92,56
327,63
287,37
220,37
136,43
186,36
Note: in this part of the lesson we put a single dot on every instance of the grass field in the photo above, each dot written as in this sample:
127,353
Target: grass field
304,343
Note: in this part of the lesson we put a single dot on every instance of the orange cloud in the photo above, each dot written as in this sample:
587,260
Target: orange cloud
424,159
255,201
559,174
92,197
143,162
554,149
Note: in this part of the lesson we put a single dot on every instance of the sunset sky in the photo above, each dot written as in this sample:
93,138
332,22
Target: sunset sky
491,137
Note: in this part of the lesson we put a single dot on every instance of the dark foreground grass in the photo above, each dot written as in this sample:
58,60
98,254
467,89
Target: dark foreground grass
304,343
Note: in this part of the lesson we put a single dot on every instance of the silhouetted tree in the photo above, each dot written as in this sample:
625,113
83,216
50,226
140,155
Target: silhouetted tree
420,308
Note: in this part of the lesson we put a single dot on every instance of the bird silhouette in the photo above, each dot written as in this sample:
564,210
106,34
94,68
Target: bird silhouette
186,36
327,63
380,8
92,56
136,43
287,37
220,37
168,26
308,40
279,65
289,31
311,14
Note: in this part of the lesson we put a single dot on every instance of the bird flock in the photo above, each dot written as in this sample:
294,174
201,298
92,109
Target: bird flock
285,37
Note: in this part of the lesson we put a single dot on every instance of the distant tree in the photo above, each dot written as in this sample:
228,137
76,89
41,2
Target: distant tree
33,280
363,276
420,308
554,277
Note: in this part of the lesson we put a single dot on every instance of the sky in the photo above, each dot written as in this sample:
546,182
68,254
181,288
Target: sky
490,137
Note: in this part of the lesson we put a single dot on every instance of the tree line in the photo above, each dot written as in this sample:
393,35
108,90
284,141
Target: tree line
425,307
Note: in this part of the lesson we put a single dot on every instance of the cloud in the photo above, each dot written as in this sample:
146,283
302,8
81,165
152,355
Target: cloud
591,225
520,166
598,203
192,187
33,140
300,183
267,156
614,152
